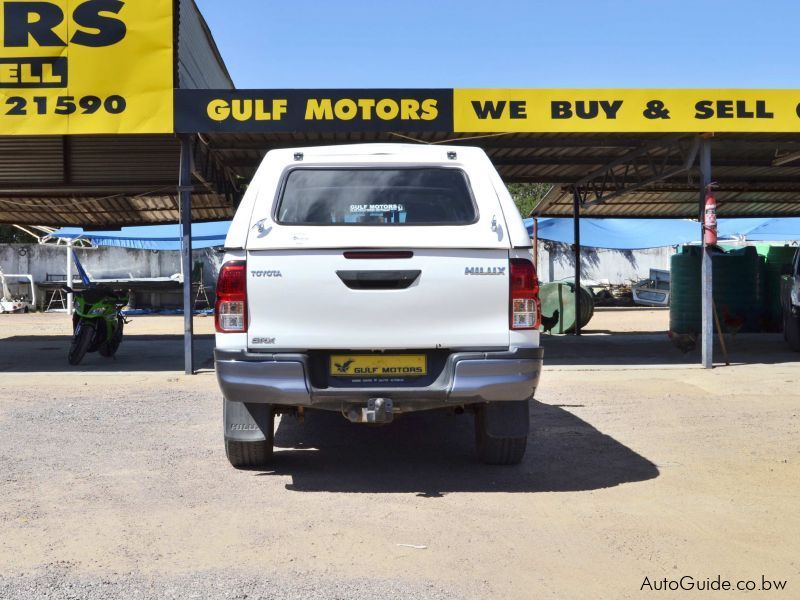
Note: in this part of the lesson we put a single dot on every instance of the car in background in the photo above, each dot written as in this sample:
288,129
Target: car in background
654,291
790,300
20,302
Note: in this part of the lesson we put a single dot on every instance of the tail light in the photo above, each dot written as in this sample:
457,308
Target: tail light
230,314
525,310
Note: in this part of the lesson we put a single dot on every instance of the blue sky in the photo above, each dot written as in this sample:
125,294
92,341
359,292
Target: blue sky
508,43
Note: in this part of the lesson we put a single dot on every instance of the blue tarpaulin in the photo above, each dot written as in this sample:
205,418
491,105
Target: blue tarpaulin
619,234
615,234
152,237
774,230
637,234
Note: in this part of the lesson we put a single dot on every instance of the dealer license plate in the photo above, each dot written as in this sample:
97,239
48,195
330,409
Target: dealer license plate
373,365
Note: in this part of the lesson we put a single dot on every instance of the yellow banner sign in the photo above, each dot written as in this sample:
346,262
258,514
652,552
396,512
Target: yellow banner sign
625,110
86,67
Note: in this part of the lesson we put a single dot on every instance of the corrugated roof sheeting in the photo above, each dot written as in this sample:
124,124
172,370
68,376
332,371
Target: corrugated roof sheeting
33,159
742,164
115,211
200,65
97,181
37,162
526,155
681,204
133,178
123,160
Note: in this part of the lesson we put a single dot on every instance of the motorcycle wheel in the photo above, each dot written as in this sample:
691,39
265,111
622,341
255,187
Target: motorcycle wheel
109,348
80,344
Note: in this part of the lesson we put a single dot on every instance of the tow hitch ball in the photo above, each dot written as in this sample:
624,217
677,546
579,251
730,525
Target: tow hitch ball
378,410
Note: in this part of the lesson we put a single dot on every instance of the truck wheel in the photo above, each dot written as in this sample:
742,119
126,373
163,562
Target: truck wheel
248,455
791,330
249,434
80,344
501,432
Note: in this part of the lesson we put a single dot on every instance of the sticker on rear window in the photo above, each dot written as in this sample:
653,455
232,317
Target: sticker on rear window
359,208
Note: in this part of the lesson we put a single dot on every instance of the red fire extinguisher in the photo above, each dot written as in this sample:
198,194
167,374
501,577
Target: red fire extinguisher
710,219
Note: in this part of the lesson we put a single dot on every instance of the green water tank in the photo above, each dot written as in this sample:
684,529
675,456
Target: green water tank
560,296
739,281
779,263
684,304
740,288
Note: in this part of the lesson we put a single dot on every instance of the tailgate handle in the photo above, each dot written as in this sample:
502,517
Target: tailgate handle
378,280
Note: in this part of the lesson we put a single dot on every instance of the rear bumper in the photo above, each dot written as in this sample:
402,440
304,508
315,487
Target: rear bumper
468,378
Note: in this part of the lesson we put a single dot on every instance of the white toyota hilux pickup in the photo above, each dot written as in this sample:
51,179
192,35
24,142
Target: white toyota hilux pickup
376,280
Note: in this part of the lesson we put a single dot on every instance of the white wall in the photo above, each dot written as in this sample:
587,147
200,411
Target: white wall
106,263
557,262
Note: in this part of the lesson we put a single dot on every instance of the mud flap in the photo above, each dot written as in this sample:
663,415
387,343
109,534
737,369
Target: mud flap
247,422
507,419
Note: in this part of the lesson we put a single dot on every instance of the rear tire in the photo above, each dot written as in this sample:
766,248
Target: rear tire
80,344
791,330
109,349
249,455
494,449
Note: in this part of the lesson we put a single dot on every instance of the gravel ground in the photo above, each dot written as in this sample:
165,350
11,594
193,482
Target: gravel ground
629,319
115,485
59,582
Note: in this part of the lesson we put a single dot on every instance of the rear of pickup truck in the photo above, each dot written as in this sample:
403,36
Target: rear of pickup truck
377,280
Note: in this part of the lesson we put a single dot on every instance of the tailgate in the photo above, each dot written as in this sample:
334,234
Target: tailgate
320,299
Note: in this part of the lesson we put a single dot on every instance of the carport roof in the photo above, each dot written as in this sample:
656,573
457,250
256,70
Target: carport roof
109,181
100,181
753,179
112,181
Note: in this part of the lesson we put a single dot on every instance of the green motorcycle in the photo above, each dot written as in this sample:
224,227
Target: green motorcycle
97,323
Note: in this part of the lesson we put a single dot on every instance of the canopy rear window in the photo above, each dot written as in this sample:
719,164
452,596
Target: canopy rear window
376,197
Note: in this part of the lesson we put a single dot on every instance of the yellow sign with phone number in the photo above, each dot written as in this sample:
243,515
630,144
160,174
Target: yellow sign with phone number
86,67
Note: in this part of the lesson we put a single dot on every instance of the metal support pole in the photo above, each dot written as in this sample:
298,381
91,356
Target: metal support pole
706,284
185,194
576,216
70,267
